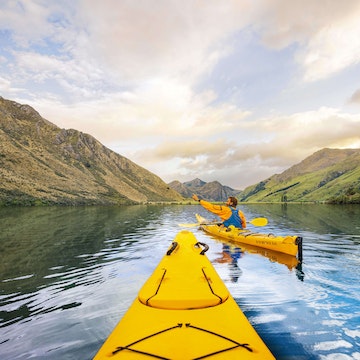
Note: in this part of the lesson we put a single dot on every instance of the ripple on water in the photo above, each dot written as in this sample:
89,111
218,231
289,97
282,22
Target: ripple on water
89,271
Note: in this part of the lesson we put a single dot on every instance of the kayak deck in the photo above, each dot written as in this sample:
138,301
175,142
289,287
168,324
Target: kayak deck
184,311
291,245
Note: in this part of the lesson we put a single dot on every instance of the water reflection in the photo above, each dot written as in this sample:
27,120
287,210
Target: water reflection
230,255
322,219
71,273
41,239
63,248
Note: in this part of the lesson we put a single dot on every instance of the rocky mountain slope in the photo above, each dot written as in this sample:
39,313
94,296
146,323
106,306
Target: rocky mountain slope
43,164
329,175
212,191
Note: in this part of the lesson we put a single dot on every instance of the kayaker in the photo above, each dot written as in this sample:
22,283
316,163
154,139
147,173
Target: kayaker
228,214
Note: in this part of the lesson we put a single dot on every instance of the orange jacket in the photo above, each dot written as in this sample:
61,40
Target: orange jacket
223,211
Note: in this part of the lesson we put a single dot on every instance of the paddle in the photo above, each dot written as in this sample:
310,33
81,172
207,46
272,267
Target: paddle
255,222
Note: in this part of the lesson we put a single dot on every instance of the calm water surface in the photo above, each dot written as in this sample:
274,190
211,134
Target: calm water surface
69,274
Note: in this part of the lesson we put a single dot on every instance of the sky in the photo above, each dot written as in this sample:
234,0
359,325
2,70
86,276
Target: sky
231,91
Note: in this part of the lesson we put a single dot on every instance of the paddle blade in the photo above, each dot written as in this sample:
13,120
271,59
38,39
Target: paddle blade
259,221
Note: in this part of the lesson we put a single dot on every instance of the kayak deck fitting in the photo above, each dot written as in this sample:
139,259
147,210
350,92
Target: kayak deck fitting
184,311
291,245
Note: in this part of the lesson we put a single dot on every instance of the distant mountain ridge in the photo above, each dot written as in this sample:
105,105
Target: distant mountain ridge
43,164
212,191
329,175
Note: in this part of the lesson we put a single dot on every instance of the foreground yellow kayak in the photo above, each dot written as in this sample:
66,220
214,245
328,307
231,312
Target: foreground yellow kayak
184,311
291,245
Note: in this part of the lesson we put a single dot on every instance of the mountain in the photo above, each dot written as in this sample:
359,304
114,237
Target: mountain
329,175
212,191
43,164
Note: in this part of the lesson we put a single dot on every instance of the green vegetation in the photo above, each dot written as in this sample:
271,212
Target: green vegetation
328,176
351,196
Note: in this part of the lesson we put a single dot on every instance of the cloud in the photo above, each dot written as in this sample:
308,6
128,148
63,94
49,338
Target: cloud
37,23
326,34
178,39
176,86
282,22
158,109
5,85
292,138
277,143
90,48
61,74
355,97
333,48
140,61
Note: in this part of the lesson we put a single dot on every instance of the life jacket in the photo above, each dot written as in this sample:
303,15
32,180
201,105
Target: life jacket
234,219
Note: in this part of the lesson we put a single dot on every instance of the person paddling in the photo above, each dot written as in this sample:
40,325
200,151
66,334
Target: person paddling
228,214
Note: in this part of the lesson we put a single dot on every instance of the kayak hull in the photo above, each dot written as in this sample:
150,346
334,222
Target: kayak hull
285,244
184,311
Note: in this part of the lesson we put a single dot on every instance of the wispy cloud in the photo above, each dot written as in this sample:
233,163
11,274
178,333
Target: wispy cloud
231,91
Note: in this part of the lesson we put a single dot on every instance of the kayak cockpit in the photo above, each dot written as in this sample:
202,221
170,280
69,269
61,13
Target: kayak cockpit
184,281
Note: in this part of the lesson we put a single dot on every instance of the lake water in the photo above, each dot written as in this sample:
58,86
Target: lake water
69,274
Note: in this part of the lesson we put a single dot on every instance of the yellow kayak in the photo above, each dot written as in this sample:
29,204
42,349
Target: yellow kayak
291,245
184,311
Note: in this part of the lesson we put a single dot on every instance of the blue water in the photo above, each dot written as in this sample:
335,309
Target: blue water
69,274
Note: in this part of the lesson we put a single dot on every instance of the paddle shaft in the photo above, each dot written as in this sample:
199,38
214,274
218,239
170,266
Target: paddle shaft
255,222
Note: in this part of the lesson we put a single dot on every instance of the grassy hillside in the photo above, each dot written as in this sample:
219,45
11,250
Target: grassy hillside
43,164
329,175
